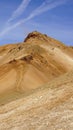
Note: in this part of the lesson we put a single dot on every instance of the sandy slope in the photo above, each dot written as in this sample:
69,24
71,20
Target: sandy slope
49,107
36,85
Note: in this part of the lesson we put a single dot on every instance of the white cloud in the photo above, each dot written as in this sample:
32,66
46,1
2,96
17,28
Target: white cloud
45,6
19,10
13,26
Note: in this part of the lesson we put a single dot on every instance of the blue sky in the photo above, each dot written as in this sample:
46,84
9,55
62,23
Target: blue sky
51,17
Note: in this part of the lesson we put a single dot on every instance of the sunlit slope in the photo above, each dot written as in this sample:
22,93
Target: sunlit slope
27,66
49,107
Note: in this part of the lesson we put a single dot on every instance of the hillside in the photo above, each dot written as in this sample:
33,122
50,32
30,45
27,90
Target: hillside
36,84
49,107
22,64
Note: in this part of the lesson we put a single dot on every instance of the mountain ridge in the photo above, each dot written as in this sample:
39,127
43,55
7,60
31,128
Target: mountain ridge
36,84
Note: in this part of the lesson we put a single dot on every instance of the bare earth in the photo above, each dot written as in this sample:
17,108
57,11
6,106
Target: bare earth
36,85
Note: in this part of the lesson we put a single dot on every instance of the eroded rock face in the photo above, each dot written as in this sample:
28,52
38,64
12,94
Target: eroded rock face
33,35
36,84
36,35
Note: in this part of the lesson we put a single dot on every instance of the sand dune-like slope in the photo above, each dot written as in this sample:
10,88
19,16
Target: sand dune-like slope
49,107
28,65
36,84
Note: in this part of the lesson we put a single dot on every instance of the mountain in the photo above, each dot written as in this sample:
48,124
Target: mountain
36,84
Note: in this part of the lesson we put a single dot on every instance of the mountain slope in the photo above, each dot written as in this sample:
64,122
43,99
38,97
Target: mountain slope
49,107
36,84
28,65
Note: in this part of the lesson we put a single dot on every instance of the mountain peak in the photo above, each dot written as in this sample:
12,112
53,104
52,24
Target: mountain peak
34,34
36,37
